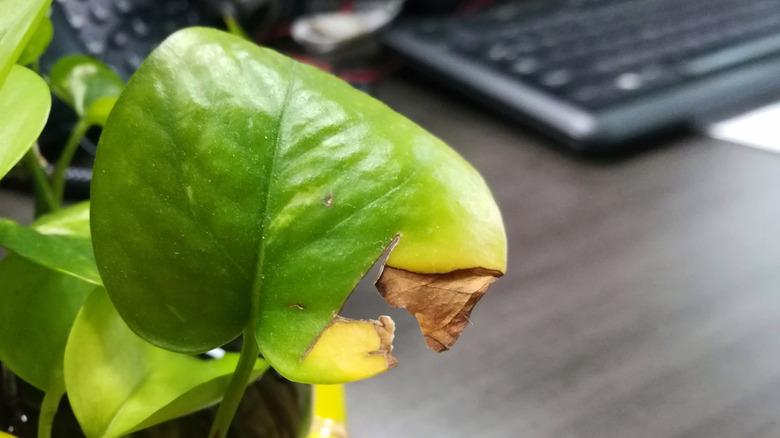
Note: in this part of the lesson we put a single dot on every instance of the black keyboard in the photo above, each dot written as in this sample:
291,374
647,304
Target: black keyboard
120,33
599,73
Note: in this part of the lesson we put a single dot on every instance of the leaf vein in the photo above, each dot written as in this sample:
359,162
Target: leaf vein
363,209
130,395
257,281
205,231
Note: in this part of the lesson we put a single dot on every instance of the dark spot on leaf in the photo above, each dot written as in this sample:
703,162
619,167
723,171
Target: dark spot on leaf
327,201
296,306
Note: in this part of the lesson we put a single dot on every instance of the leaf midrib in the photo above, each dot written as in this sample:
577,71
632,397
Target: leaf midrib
257,281
141,382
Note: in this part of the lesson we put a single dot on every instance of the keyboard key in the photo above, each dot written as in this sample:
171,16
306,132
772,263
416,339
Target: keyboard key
525,66
95,47
123,6
99,12
556,78
120,39
76,19
629,81
501,52
140,28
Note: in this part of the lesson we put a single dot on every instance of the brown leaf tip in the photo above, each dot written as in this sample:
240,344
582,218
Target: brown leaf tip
442,303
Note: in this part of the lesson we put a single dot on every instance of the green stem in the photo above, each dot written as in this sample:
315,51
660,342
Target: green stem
58,177
236,387
43,190
235,28
49,406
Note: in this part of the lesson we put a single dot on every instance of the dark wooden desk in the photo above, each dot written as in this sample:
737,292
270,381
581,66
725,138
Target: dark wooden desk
642,298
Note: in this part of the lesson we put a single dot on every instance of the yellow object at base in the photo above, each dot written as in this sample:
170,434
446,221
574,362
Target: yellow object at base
330,412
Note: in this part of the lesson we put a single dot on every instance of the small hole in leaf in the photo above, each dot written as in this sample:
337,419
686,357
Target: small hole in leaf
365,303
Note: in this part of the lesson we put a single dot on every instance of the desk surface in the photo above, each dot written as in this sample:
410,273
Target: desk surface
642,297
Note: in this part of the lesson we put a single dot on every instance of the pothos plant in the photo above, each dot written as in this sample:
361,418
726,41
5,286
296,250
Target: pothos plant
235,192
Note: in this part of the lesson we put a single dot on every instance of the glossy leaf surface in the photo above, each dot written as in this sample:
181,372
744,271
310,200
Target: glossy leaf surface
118,383
38,42
24,108
83,82
39,306
267,188
18,22
66,249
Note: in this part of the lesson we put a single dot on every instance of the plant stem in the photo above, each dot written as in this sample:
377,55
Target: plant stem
43,191
58,177
236,387
49,406
235,28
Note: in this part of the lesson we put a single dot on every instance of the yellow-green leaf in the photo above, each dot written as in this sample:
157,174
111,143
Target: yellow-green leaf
38,42
24,105
118,383
39,305
18,22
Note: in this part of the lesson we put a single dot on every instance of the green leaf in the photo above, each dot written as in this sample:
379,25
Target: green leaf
38,43
71,221
82,82
98,112
64,248
24,104
39,306
236,188
117,383
18,22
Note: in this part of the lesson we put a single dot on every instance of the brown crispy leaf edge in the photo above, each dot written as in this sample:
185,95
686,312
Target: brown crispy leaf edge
441,303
